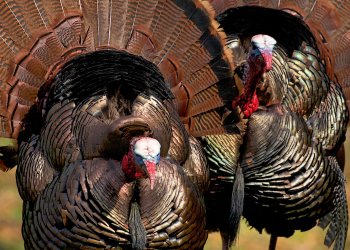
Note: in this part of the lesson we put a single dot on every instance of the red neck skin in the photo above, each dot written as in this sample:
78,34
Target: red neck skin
131,170
248,100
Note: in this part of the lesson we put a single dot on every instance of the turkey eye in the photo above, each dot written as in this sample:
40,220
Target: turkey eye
254,47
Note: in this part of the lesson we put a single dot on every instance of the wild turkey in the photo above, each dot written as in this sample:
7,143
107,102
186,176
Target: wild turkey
105,99
285,176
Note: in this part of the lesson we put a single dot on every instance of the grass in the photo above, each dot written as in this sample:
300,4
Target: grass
249,239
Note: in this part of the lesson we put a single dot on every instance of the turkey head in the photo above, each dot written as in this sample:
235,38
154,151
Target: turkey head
142,159
259,62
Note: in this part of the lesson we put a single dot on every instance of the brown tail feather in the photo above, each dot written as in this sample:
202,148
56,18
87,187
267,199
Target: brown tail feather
51,10
14,25
181,37
106,20
103,22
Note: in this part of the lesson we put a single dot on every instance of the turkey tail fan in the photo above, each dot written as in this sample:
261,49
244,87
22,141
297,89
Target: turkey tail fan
34,43
327,20
180,37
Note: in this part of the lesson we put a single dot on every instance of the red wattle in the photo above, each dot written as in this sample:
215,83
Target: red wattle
248,108
151,169
255,102
131,170
268,60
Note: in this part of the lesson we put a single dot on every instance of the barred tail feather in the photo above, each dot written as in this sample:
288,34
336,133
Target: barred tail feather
39,37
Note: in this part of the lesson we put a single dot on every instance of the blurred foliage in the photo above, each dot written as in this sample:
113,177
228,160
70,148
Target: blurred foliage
249,239
10,213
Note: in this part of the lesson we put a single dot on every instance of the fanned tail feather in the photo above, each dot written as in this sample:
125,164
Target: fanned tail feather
181,37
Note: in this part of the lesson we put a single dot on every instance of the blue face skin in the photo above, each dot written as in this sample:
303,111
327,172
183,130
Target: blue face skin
140,160
262,44
146,156
259,49
255,50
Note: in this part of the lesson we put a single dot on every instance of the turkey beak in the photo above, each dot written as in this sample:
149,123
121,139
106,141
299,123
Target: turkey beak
151,171
267,55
